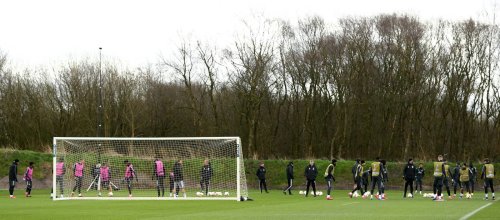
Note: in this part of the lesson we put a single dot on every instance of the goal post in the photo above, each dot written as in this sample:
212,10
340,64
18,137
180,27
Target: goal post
190,168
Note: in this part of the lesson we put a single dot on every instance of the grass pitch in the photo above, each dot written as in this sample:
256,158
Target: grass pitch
274,206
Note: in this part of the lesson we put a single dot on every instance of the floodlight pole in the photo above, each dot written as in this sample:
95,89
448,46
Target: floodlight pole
100,109
100,127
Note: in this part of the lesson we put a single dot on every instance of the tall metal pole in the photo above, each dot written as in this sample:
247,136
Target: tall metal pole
100,109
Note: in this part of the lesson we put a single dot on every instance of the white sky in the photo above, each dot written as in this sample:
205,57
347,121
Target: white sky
47,33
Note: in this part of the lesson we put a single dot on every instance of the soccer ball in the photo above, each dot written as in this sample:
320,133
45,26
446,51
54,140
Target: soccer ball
429,195
110,194
199,194
409,195
301,192
468,196
355,195
226,193
350,194
366,195
319,193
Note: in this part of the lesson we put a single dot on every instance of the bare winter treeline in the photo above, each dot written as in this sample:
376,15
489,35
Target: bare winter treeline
388,85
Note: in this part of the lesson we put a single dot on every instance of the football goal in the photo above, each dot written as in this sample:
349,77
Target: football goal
200,168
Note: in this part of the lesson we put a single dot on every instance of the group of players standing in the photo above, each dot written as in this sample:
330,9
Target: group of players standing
310,173
101,174
463,177
28,177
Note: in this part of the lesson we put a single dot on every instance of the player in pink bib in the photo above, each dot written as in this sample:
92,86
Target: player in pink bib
129,176
159,174
60,171
78,174
105,175
28,177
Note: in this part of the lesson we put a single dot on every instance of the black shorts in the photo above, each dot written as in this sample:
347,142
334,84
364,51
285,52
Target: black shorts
464,184
488,182
438,181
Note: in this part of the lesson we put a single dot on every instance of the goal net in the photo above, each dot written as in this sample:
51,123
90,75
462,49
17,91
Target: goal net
149,168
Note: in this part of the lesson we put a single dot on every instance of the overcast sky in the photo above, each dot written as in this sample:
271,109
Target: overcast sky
48,33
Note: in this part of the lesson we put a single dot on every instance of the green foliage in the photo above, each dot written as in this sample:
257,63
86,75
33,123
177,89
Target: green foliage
43,162
276,175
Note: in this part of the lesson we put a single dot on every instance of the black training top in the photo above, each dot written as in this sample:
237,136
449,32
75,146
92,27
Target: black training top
409,171
311,172
289,171
13,172
261,173
420,173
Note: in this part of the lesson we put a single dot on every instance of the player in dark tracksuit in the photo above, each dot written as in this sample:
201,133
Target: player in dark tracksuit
13,177
95,172
289,177
206,175
455,179
419,177
385,174
310,173
171,183
353,171
179,178
409,173
261,174
472,177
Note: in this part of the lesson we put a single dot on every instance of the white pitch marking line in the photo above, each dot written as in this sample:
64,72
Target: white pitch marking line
470,214
350,203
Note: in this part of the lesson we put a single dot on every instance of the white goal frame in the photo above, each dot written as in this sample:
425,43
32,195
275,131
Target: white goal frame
239,167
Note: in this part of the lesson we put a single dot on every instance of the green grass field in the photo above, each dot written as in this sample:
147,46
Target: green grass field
274,205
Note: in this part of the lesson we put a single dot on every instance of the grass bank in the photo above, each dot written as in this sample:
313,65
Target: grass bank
276,176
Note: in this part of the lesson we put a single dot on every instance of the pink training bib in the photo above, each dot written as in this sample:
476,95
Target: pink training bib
29,173
59,168
128,171
159,168
78,170
104,173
